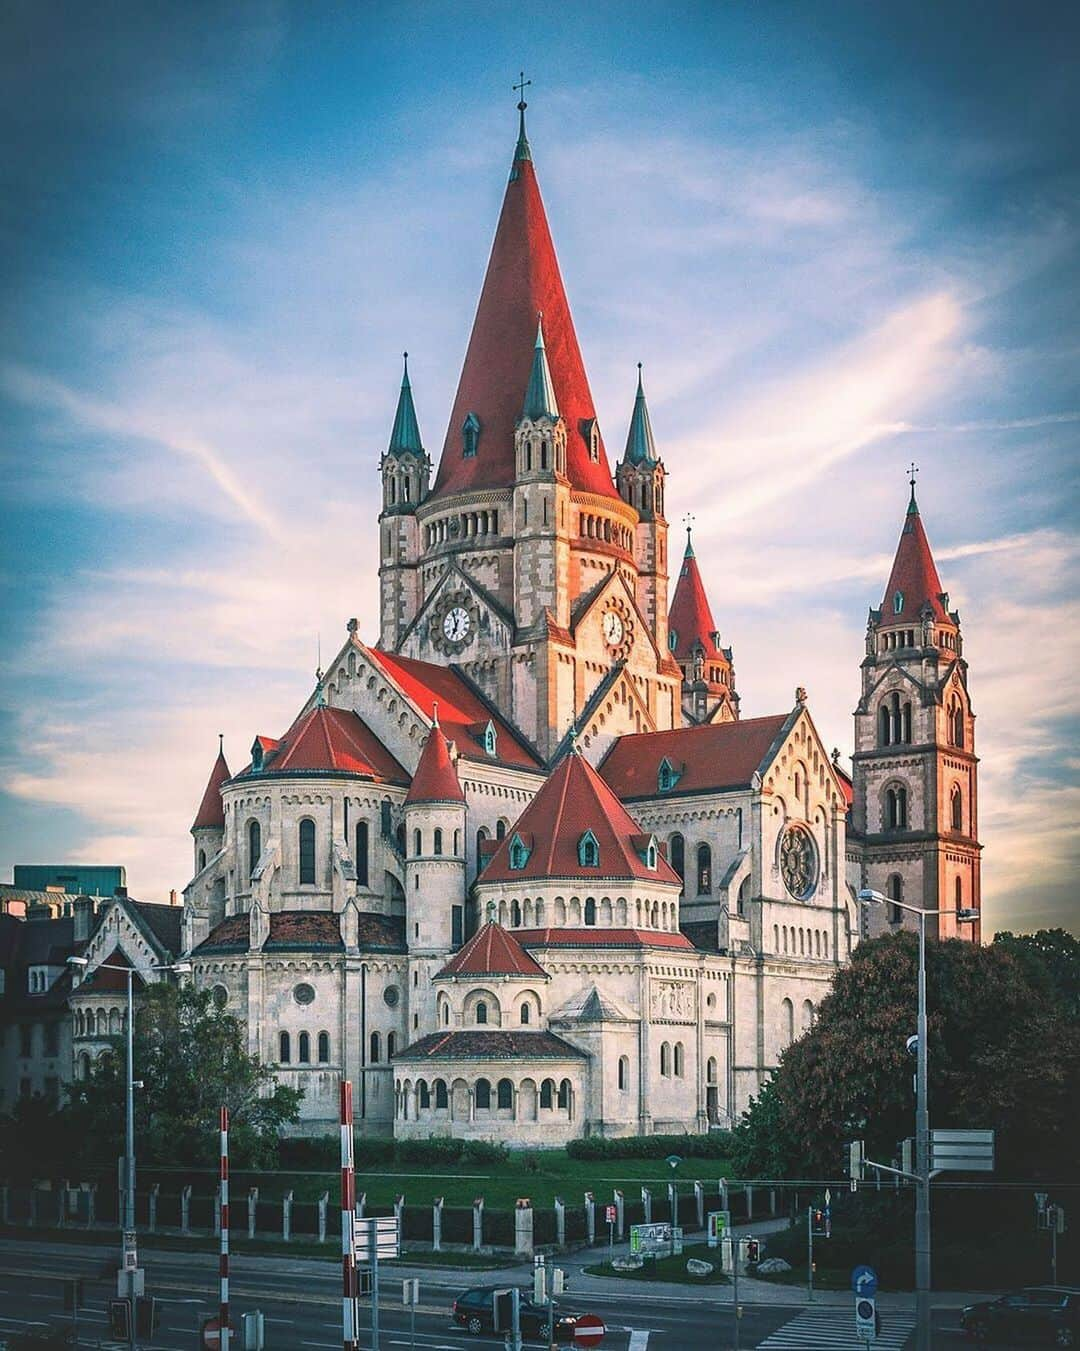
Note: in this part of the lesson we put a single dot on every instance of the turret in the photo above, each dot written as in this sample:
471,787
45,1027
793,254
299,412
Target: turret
208,828
708,671
640,478
406,470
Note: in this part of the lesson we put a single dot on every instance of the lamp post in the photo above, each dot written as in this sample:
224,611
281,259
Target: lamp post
922,1116
181,968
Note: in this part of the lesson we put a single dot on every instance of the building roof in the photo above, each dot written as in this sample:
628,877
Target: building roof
690,619
463,712
491,951
573,800
708,758
331,740
640,446
109,977
704,934
211,813
592,1005
436,778
489,1044
163,921
304,930
522,282
601,938
914,575
405,435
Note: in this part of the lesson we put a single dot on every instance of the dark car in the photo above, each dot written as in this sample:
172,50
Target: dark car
474,1310
1039,1315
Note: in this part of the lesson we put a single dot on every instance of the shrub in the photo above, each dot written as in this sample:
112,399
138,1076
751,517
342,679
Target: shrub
715,1145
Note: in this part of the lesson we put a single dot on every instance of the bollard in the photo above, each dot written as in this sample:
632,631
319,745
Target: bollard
772,1202
560,1222
673,1203
646,1201
361,1203
151,1223
699,1203
253,1209
185,1209
523,1228
590,1219
724,1194
620,1214
286,1217
399,1215
478,1224
217,1211
61,1217
91,1207
749,1201
323,1201
436,1224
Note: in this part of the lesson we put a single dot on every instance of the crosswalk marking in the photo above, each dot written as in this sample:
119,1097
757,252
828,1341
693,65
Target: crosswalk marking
833,1329
639,1341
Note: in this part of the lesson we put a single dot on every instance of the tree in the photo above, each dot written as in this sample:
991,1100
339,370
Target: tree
1003,1055
191,1058
1057,954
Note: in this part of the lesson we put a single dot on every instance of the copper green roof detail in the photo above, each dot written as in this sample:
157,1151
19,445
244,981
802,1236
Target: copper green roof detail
521,150
405,438
640,446
540,395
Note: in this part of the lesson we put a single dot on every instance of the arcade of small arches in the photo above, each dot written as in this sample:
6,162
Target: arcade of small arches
459,526
482,1008
894,721
576,912
604,529
787,1019
794,941
100,1022
463,1100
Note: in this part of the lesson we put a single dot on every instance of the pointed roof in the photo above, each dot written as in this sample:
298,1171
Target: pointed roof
405,436
540,398
573,800
491,951
211,813
330,740
591,1005
690,620
914,575
522,281
708,758
436,778
640,446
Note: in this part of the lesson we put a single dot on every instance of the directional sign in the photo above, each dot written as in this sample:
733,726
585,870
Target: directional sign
131,1255
650,1238
962,1151
864,1281
378,1234
610,1214
589,1330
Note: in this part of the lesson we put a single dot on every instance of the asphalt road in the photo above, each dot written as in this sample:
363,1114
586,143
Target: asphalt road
301,1305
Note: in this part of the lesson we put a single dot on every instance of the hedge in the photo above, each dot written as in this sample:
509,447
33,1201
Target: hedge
715,1145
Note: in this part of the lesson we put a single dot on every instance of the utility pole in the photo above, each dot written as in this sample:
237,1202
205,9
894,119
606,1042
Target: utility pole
736,1250
810,1254
922,1160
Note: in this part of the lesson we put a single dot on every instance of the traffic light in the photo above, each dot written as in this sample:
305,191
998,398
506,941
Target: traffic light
147,1316
819,1219
74,1294
753,1250
119,1312
856,1162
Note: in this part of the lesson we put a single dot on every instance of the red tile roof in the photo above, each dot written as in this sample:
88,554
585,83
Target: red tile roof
490,1044
211,813
462,712
710,757
436,778
332,739
690,620
522,281
601,938
492,952
914,575
109,977
302,929
575,799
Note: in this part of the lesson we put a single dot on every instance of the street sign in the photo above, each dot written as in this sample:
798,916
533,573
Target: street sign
589,1330
376,1234
611,1214
865,1318
646,1240
131,1254
962,1151
717,1227
211,1334
410,1292
864,1281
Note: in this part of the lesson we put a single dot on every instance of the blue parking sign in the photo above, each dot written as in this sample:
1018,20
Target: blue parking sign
864,1281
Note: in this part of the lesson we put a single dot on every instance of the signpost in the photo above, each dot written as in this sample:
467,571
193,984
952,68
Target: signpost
962,1151
650,1240
375,1236
410,1297
610,1214
589,1330
864,1284
818,1225
717,1227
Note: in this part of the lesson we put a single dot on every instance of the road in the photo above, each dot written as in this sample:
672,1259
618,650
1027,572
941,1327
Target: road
301,1305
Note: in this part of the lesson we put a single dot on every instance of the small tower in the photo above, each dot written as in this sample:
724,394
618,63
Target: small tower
915,809
406,470
208,828
640,476
434,873
708,689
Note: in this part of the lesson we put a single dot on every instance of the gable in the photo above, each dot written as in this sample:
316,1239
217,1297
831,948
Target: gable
457,611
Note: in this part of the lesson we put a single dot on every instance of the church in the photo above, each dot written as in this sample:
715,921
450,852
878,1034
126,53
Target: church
519,869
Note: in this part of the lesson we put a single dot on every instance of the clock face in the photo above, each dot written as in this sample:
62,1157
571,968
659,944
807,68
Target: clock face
456,624
613,629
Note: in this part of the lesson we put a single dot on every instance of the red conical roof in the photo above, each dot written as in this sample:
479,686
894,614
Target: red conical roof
914,575
327,739
436,778
575,799
491,951
211,813
690,621
522,282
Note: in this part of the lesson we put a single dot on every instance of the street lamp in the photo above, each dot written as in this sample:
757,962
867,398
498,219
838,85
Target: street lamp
181,968
922,1116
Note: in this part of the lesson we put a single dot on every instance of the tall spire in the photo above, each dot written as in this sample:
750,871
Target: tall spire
405,436
540,394
690,622
521,150
211,813
640,446
913,581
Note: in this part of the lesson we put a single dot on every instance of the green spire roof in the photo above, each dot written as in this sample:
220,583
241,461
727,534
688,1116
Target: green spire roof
540,395
640,446
522,150
406,433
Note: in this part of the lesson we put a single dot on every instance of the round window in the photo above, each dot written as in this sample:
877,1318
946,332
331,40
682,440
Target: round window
304,993
392,995
220,996
798,862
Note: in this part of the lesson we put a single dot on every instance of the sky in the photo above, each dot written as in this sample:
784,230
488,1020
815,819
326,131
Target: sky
839,237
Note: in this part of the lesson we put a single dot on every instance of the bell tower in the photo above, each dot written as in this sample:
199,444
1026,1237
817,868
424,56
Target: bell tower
405,470
640,476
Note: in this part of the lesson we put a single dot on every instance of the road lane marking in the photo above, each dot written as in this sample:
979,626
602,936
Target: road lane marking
639,1340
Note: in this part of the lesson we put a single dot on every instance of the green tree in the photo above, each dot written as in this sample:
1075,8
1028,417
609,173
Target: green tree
1057,954
191,1058
1003,1055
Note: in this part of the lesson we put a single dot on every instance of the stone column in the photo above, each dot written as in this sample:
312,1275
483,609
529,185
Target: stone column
673,1202
749,1201
185,1209
323,1202
724,1194
436,1224
286,1217
253,1209
699,1203
155,1191
478,1224
523,1229
560,1222
772,1201
646,1201
91,1207
590,1219
620,1215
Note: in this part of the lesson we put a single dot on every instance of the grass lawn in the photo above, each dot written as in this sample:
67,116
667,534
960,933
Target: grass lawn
670,1269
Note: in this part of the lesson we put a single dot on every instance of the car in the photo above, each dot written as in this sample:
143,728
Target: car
474,1310
1038,1315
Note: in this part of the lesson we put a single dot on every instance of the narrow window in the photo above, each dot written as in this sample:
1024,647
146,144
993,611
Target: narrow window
515,913
362,853
679,1060
624,1073
254,846
588,851
284,1052
376,1048
423,1095
440,1095
564,1095
885,725
457,925
547,1094
202,859
957,803
304,1053
391,1044
324,1048
590,911
417,843
958,894
506,1094
470,436
437,845
905,720
307,852
895,888
526,1015
704,870
481,1013
483,1095
677,854
665,1060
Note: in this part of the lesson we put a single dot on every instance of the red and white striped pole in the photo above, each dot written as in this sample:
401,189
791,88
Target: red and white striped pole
349,1312
223,1312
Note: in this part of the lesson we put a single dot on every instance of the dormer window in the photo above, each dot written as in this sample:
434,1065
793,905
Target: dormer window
588,851
470,436
672,640
898,603
257,754
650,855
519,853
591,432
490,740
667,776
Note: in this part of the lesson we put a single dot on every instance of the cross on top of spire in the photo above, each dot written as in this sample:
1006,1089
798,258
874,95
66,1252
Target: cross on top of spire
522,151
688,522
913,473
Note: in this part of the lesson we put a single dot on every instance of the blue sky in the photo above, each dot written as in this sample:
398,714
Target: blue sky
838,236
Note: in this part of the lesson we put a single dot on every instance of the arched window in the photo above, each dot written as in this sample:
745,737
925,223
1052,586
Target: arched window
284,1051
665,1059
505,1093
905,724
896,813
457,843
441,1097
515,913
519,852
704,870
526,1014
787,1021
437,844
590,910
679,1057
362,853
956,722
470,436
710,1070
481,1012
547,1094
324,1048
624,1073
304,1050
202,859
481,836
807,1015
884,725
307,852
500,829
391,1044
564,1095
376,1048
423,1095
588,851
254,846
399,836
956,802
446,1015
483,1095
677,853
743,902
958,893
417,843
